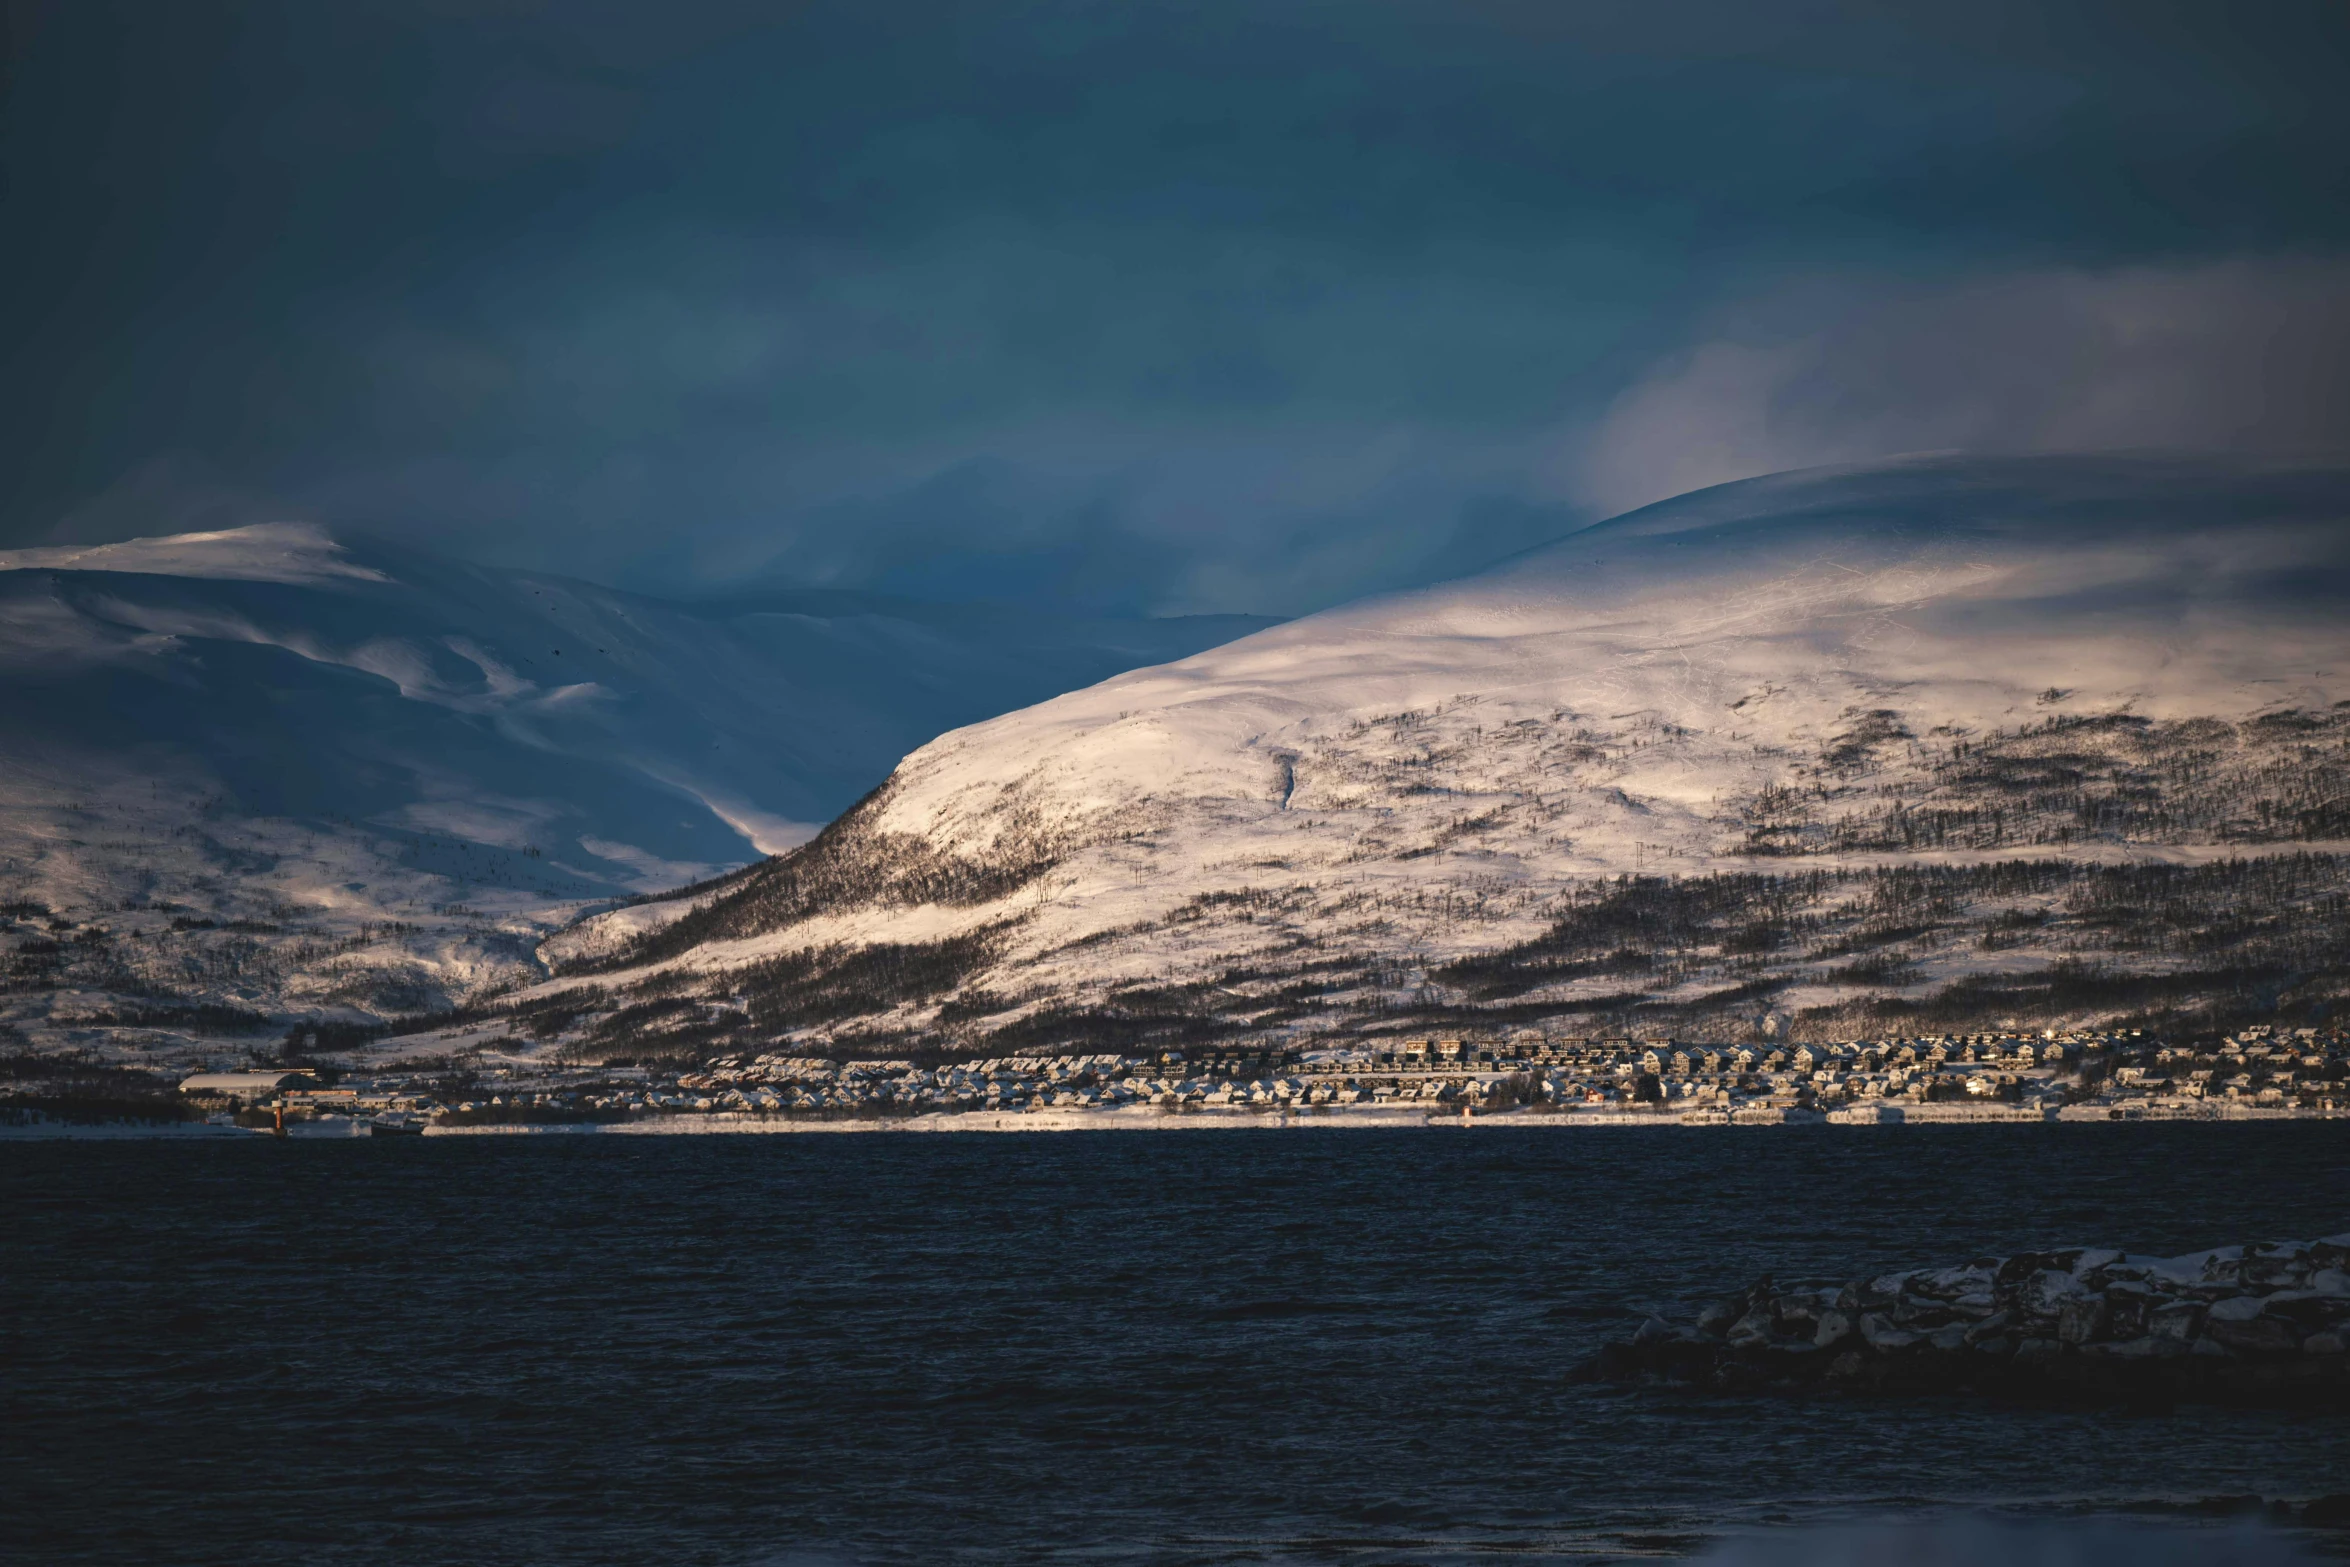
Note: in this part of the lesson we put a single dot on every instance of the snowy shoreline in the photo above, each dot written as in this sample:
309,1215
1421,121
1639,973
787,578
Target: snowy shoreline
1155,1119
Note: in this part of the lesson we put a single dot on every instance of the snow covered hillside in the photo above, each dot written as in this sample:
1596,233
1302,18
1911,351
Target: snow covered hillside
1936,740
267,772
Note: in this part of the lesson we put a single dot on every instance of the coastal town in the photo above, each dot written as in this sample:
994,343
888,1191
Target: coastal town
2256,1073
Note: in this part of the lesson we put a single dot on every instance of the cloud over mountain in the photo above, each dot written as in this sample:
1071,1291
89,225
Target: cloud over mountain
2235,355
1159,307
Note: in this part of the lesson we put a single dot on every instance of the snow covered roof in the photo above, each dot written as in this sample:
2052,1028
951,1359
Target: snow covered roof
244,1082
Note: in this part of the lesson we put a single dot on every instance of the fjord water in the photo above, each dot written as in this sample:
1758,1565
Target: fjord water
1190,1347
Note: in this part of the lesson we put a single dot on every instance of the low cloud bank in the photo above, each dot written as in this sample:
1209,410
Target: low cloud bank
2243,355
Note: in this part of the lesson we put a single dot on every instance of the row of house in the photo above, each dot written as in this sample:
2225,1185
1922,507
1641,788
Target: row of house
2255,1066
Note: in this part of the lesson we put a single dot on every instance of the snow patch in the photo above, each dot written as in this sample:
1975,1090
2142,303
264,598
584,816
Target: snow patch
298,553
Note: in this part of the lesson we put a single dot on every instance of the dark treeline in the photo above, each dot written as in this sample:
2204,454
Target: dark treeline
2114,777
1702,957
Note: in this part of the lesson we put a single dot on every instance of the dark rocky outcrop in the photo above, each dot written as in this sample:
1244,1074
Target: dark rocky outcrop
2261,1324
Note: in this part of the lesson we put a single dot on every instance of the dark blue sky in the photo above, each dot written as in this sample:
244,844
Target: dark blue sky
1135,306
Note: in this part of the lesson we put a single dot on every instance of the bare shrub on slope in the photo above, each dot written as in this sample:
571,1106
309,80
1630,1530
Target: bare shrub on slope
2093,778
855,864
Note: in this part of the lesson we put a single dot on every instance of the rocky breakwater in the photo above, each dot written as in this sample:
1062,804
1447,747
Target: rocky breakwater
2258,1324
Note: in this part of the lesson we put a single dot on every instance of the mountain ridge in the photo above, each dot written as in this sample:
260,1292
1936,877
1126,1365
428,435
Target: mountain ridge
2105,666
310,737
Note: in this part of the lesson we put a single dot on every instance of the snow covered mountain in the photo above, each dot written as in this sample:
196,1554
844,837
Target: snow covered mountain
267,769
1942,740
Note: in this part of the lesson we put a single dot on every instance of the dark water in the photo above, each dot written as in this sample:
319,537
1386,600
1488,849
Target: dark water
1196,1347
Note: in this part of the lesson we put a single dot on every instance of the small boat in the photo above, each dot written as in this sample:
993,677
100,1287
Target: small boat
392,1124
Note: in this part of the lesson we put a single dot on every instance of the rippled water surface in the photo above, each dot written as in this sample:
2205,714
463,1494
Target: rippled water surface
1194,1347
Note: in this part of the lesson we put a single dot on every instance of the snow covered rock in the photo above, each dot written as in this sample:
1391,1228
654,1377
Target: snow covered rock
2119,1327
